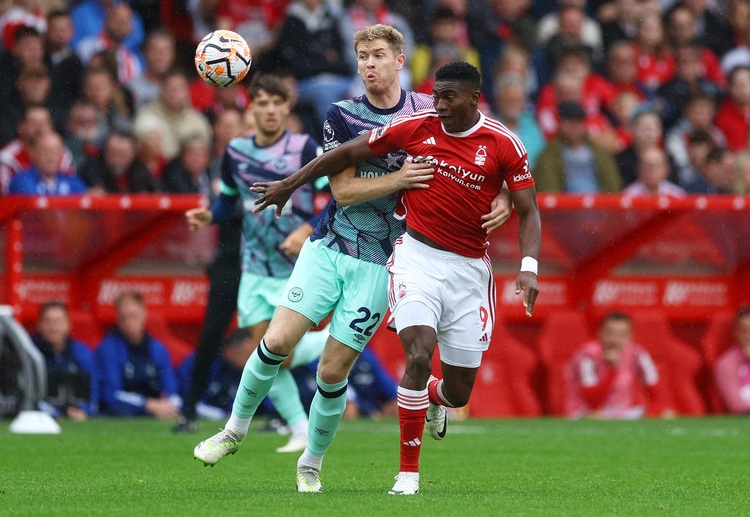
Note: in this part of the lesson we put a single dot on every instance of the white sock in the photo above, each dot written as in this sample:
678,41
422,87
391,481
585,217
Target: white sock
310,460
237,426
299,428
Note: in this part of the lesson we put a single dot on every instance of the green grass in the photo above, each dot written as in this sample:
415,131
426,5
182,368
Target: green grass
483,467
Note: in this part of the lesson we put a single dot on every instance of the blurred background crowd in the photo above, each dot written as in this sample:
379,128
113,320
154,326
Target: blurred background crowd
645,97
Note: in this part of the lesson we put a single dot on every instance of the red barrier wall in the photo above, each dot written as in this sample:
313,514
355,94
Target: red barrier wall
685,262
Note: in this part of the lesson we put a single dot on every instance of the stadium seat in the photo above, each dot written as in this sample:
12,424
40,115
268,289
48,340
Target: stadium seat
505,383
717,339
562,334
679,364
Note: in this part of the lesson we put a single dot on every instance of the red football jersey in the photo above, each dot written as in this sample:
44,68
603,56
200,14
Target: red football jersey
469,171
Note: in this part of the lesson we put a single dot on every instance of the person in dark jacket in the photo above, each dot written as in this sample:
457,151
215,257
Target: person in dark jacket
118,169
137,377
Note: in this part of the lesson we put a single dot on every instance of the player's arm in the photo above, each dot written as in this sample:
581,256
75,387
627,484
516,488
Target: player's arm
530,239
328,164
349,189
223,207
501,209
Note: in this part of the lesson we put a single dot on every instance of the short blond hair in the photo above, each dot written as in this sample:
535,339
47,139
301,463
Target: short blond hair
391,36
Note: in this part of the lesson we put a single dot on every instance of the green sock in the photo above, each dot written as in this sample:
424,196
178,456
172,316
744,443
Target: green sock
285,397
326,411
257,378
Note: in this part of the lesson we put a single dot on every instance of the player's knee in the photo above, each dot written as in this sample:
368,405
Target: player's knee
332,373
418,363
277,344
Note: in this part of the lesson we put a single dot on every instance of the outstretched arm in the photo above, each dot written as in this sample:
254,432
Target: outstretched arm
348,189
328,164
530,240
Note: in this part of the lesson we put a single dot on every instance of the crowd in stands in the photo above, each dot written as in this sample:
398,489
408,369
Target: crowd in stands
594,89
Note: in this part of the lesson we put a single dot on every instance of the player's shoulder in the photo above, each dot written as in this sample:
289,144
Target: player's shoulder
502,134
242,144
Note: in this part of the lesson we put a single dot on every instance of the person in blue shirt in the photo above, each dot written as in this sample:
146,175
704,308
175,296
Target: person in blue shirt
137,377
44,177
70,361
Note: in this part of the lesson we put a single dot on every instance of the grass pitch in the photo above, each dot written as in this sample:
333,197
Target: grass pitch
483,467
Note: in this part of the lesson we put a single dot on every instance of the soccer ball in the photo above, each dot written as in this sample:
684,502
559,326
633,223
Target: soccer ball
223,58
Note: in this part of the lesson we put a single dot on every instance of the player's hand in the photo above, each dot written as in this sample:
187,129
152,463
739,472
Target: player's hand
198,218
500,210
162,408
526,283
294,241
271,193
415,173
76,413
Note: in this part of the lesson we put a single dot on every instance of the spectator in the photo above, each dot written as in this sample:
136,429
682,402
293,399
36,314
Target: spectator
570,34
717,174
136,375
28,50
608,377
574,81
64,65
732,368
740,54
651,180
101,89
363,13
118,25
173,115
226,127
223,380
89,17
118,169
16,155
623,24
682,31
150,151
188,172
511,109
623,109
32,88
554,24
23,13
654,59
313,47
83,133
622,70
516,61
159,53
646,129
713,32
69,360
699,143
444,29
689,79
732,118
698,115
572,163
256,20
44,177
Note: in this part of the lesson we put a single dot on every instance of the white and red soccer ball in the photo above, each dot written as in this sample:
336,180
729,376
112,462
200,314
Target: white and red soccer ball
223,58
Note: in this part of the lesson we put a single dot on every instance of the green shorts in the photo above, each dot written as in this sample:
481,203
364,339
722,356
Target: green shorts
355,290
258,298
